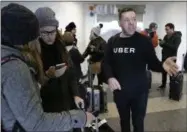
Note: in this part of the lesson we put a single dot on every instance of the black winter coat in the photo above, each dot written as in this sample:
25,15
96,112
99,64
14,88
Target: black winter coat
185,62
77,59
170,45
98,53
58,93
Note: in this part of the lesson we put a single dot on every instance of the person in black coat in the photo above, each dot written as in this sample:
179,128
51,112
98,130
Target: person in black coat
185,62
95,50
74,53
71,27
60,92
169,45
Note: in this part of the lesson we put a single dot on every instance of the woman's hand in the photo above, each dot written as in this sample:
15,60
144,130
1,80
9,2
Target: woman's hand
78,102
50,72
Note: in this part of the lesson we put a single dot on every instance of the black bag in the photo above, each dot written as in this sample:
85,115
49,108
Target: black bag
176,86
103,100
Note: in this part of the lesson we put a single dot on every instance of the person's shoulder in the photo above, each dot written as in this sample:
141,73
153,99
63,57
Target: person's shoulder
142,37
114,37
100,39
143,40
15,69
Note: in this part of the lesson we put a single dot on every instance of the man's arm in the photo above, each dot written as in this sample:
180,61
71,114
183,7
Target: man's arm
151,58
101,49
87,51
175,44
76,56
107,60
23,99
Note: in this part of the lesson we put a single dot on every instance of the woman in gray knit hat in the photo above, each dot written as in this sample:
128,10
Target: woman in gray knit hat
60,92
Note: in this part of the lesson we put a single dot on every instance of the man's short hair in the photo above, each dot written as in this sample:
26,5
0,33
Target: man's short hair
121,11
153,25
101,25
170,25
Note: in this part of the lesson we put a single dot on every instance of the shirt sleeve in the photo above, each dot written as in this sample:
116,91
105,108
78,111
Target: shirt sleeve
107,67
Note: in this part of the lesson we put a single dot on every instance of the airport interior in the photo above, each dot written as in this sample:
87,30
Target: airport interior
101,19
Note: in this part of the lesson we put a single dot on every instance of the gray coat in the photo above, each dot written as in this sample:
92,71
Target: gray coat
20,100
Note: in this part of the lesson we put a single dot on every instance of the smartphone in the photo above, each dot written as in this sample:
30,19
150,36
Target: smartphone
58,66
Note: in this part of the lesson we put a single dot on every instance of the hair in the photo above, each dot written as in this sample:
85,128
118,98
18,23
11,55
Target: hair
33,58
170,25
153,25
65,55
101,25
71,26
121,11
67,37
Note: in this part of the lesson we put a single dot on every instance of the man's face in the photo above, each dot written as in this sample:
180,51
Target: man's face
128,22
48,34
169,30
154,29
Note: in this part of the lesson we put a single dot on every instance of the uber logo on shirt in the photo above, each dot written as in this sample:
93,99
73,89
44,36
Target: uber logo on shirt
124,50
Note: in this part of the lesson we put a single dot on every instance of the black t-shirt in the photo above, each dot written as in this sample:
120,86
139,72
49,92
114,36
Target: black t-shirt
126,60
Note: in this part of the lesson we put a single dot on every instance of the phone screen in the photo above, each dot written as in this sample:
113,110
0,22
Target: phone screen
58,66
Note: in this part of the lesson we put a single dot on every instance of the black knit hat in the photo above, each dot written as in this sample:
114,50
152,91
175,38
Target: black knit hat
70,26
19,25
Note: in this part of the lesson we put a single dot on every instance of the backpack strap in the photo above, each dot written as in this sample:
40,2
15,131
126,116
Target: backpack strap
11,57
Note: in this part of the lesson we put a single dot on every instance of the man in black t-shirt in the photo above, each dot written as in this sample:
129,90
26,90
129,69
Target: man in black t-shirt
126,57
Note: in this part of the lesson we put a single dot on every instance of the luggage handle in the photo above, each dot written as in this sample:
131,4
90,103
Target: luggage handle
80,107
95,113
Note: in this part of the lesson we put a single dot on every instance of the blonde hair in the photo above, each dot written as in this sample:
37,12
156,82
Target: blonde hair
32,56
68,37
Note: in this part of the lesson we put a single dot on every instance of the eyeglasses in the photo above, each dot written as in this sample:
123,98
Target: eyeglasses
47,33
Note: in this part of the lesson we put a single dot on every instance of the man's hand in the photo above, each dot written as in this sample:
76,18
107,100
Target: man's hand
170,66
92,48
113,84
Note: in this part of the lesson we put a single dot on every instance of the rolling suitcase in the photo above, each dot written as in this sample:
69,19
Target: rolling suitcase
176,85
93,99
103,99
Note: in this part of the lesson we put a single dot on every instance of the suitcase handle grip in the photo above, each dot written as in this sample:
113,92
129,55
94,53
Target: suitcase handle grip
95,113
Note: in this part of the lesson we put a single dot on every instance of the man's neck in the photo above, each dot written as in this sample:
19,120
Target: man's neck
124,35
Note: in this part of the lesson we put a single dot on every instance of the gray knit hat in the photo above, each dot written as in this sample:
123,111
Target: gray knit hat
46,17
